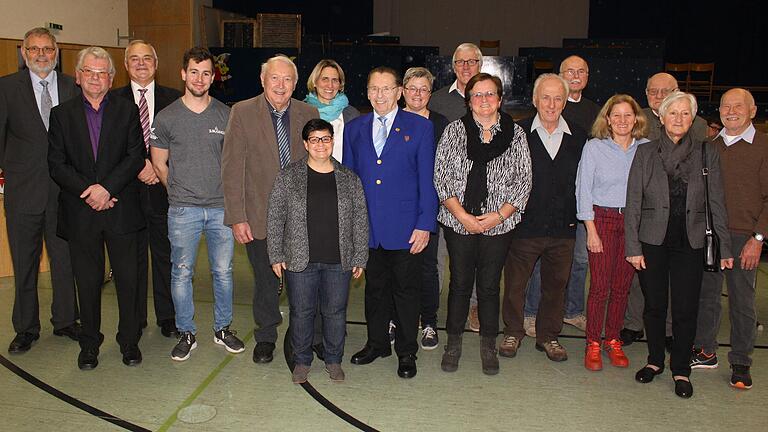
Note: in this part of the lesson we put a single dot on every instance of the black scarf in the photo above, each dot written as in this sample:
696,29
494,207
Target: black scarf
480,154
676,158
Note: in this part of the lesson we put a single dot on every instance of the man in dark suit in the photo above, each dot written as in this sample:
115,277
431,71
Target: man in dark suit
95,153
393,152
151,98
26,99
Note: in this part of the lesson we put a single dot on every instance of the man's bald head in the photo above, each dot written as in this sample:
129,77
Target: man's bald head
737,109
658,87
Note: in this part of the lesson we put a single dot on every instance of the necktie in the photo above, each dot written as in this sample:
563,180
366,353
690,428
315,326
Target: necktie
144,116
46,103
283,146
381,136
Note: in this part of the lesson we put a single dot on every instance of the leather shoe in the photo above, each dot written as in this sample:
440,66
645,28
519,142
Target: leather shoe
88,358
406,366
367,355
683,388
131,355
646,374
71,331
168,328
628,336
22,342
262,352
319,350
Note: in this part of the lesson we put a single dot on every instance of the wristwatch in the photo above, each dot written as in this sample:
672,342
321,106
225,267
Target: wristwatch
759,237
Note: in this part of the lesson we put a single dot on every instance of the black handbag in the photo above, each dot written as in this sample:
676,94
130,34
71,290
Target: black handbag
711,240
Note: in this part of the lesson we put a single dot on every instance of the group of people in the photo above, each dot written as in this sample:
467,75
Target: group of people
320,194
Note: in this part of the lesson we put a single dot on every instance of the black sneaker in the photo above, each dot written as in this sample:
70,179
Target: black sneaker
185,345
740,378
702,360
428,339
392,328
227,338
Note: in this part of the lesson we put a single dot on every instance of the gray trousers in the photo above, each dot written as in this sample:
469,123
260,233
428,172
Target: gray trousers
266,301
741,308
633,317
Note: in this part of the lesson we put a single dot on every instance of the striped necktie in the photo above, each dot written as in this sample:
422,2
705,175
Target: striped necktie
144,117
46,104
283,146
381,136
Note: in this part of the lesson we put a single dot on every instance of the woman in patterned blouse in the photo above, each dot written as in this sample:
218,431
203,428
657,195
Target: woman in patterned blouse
483,179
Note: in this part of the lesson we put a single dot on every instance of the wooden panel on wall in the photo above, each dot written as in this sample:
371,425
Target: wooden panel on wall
168,26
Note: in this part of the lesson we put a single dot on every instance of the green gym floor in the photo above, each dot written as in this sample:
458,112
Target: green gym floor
43,390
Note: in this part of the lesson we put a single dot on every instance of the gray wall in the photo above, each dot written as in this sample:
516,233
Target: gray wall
447,23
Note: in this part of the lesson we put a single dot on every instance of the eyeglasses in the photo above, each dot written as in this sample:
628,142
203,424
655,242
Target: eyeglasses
575,72
100,74
470,62
662,92
480,95
386,90
413,90
327,139
35,50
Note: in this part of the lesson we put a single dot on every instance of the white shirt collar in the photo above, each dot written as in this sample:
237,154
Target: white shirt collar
150,88
51,79
570,99
748,135
455,86
562,126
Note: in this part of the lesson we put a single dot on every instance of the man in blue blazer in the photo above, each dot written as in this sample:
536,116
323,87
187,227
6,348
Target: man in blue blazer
393,152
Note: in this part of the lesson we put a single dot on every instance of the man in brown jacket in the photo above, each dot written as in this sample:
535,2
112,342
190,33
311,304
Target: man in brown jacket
262,137
744,170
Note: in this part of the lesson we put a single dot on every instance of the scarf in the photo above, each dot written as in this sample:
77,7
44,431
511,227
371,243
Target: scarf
331,111
676,158
476,194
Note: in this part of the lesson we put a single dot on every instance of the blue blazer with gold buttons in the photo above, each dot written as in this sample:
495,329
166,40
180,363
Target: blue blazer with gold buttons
398,184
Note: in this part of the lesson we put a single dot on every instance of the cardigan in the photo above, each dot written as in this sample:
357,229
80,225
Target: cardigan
287,236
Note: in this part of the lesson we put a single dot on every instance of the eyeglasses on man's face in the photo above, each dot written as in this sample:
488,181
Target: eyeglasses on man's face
35,50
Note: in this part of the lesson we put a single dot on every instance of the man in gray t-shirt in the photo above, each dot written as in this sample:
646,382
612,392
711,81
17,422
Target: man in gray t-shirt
186,141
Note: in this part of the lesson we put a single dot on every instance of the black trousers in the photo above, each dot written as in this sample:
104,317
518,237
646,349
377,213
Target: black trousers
25,238
475,259
671,273
155,238
393,289
87,253
266,301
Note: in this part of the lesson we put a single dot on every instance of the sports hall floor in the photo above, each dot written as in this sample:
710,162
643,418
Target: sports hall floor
43,390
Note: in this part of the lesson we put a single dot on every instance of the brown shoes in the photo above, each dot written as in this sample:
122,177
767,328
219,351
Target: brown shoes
509,346
473,319
554,350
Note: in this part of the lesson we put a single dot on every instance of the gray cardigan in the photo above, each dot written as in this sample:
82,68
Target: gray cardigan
647,212
287,237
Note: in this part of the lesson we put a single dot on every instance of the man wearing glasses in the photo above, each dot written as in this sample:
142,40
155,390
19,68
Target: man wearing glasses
449,101
31,197
579,110
393,153
95,152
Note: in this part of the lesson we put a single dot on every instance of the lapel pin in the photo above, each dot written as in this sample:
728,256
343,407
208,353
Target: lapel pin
397,129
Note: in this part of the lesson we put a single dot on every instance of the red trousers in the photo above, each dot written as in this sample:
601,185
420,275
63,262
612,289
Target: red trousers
610,277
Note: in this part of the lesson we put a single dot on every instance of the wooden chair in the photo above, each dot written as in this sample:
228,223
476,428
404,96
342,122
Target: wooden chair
542,66
491,44
700,79
681,72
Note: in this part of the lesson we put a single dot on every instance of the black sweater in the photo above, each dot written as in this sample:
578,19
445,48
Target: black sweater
551,208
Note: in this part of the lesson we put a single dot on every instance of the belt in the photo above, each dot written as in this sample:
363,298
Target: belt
618,210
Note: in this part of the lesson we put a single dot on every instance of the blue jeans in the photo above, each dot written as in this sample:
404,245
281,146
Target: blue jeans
574,296
328,286
185,225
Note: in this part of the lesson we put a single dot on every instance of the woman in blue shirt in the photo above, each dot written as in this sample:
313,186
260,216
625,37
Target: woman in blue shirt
601,192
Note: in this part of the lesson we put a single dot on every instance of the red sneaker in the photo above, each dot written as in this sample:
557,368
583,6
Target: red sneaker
592,359
615,353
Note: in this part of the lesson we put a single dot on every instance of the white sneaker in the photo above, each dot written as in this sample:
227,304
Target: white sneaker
529,325
579,321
